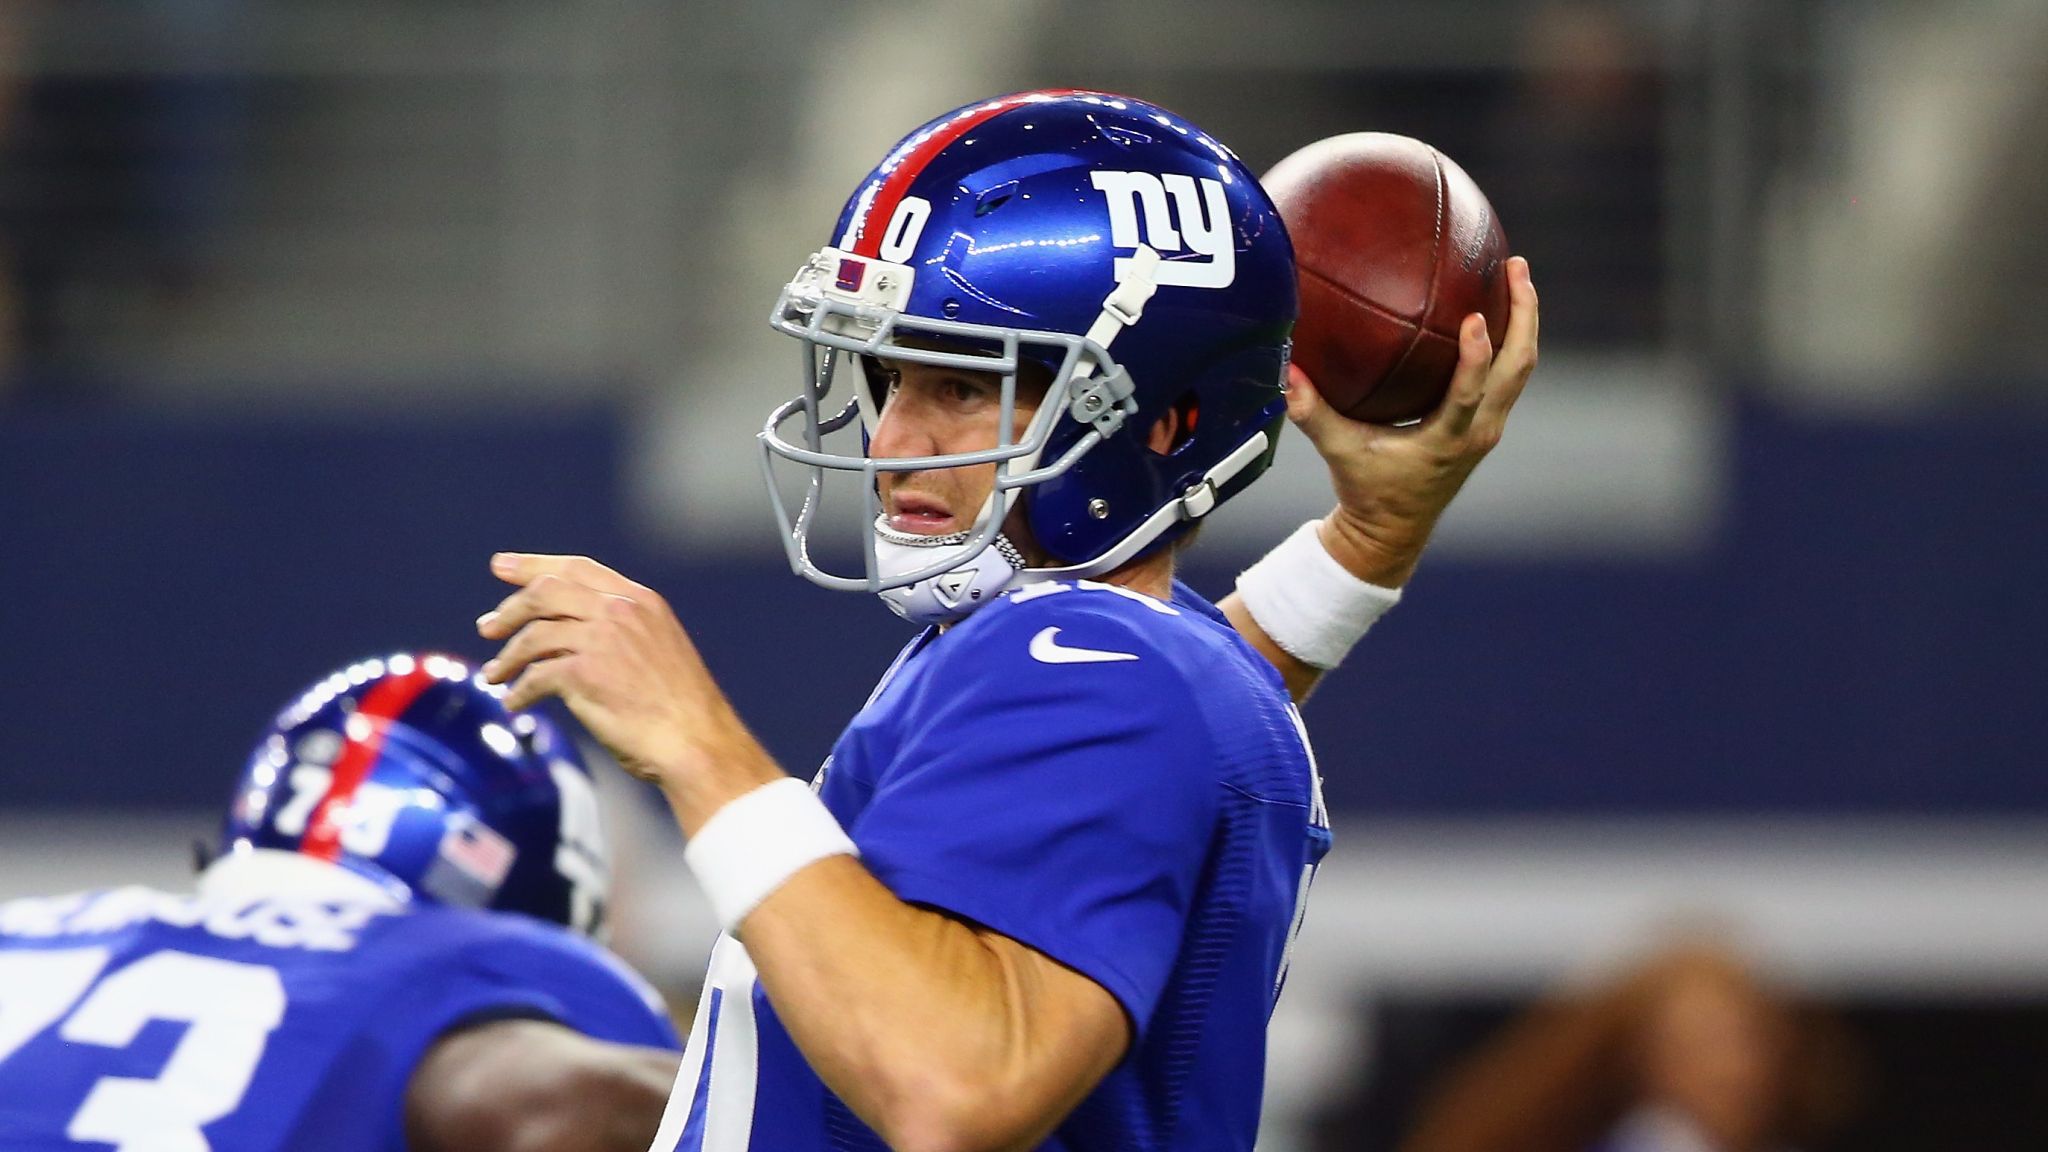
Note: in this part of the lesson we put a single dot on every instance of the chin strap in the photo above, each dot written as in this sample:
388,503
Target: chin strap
951,594
982,576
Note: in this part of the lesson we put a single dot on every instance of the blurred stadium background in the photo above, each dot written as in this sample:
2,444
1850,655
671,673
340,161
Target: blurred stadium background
306,308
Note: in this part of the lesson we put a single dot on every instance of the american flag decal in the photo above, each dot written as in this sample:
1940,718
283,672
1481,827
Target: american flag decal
478,852
851,273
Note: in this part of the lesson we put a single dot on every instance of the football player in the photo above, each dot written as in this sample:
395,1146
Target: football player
1042,892
389,951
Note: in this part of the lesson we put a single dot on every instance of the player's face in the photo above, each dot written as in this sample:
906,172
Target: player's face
930,411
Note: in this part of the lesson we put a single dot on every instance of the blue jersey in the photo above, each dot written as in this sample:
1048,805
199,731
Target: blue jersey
152,1022
1117,783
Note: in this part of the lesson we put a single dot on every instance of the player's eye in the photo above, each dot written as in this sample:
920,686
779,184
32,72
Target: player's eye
968,389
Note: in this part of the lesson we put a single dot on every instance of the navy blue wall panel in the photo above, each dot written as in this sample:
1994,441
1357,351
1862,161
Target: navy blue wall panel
1867,636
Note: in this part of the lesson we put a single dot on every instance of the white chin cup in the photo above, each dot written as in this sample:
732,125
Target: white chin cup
979,577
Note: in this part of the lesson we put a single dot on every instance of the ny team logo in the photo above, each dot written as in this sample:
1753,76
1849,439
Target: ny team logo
1203,212
1174,214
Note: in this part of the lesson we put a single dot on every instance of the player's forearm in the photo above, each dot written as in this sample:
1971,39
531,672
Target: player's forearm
927,1032
1300,676
521,1084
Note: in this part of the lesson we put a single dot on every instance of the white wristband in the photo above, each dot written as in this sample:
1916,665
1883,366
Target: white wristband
754,844
1311,607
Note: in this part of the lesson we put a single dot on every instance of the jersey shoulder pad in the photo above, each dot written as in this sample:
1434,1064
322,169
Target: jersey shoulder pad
1065,624
1068,623
518,952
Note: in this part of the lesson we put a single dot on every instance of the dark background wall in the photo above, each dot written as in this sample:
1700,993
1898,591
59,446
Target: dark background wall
1865,636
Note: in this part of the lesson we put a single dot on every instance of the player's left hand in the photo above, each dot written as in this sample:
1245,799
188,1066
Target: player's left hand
1392,484
615,653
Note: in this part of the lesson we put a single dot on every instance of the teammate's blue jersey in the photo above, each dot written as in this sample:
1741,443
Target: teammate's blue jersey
1117,783
152,1022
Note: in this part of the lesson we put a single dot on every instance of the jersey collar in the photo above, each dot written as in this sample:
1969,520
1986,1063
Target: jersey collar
259,873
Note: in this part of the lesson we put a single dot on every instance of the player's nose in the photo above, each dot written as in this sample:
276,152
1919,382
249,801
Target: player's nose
903,429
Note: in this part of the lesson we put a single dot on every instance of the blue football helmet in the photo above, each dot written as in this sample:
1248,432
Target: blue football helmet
409,772
1136,261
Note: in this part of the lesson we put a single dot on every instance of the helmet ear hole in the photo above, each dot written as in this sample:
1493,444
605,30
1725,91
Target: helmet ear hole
1178,424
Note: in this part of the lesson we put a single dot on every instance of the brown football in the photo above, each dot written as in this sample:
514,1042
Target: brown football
1394,246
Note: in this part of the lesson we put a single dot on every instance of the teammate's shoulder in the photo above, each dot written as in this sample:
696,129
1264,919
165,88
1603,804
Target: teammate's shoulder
449,929
284,924
517,947
95,912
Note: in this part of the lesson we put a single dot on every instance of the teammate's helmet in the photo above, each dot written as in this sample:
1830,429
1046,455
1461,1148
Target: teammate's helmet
1132,257
410,772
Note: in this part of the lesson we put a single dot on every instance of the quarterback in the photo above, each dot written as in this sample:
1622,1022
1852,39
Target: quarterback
1042,893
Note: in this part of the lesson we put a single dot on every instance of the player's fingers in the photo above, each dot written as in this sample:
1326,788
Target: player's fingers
1517,359
1523,321
539,681
1317,418
526,567
548,597
540,640
1468,383
1306,407
1303,401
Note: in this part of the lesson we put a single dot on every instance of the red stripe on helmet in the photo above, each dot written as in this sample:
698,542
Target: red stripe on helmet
384,703
907,163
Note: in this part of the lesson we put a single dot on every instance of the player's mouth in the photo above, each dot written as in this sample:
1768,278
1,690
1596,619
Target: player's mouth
920,515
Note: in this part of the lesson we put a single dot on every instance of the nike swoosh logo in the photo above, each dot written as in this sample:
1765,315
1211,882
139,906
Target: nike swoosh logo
1046,649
